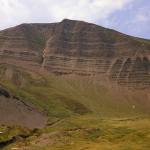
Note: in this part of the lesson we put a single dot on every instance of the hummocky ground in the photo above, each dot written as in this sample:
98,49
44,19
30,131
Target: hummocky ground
73,85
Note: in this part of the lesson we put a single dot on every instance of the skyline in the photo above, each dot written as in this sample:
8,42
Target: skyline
131,17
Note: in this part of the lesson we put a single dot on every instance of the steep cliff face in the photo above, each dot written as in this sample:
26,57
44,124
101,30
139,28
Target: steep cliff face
75,47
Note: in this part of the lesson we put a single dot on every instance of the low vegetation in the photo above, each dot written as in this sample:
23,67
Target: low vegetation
89,132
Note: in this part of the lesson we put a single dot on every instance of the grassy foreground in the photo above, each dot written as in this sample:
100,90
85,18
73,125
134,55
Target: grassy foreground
89,133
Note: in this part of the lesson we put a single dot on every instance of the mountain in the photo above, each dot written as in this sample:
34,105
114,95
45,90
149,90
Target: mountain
76,47
78,82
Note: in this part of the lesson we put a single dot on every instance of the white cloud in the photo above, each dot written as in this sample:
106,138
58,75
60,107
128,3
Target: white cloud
11,12
17,11
89,10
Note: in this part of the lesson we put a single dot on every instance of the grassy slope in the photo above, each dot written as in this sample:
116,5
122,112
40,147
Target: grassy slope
82,114
61,97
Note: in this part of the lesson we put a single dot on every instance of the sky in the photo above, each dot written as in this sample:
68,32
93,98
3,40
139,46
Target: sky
128,16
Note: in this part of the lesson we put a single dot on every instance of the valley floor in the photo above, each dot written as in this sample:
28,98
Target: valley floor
85,132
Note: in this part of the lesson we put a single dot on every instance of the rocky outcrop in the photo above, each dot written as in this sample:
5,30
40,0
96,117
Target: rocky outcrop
80,48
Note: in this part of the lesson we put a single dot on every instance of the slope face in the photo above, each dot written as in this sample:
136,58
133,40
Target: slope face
14,111
75,47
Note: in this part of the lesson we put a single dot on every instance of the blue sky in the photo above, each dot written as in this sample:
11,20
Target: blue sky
133,19
128,16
